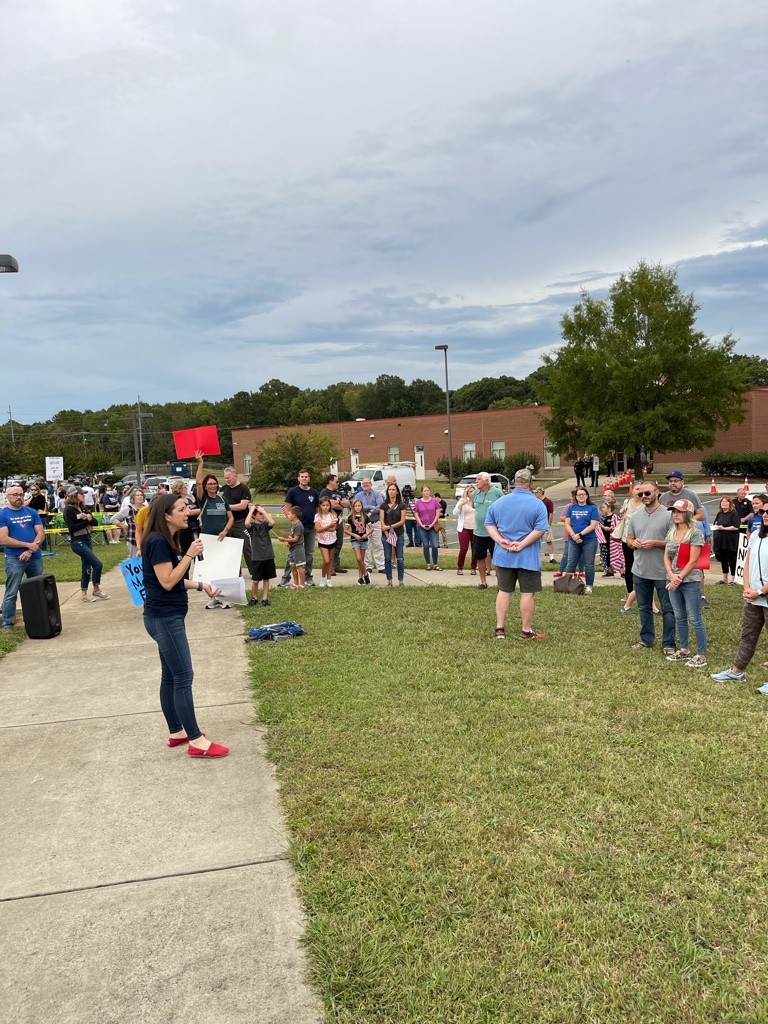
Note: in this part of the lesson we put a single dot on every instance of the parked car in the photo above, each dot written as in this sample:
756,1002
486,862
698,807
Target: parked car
497,480
403,472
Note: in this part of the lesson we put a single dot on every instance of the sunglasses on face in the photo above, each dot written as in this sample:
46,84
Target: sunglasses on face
644,494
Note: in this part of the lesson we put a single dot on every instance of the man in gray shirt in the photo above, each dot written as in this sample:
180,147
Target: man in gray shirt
678,490
646,535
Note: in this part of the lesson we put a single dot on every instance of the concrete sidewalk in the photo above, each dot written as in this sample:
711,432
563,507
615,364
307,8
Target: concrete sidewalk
138,884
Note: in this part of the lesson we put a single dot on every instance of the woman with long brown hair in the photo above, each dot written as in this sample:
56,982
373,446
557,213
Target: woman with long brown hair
165,608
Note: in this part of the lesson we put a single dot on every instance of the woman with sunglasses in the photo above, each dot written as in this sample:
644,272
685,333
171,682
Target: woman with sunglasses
580,525
684,582
755,616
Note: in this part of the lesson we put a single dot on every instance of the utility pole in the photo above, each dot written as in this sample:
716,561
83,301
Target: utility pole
10,420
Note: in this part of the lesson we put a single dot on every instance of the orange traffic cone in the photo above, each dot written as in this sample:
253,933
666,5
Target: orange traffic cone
746,482
713,487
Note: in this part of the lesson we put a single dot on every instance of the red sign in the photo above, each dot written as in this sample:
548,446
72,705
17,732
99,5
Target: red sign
203,439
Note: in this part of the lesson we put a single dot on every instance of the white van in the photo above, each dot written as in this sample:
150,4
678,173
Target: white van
403,472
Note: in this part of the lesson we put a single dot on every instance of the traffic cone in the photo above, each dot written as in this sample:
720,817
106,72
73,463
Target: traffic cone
713,487
746,482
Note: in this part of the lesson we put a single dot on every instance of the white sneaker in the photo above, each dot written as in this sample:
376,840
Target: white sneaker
587,590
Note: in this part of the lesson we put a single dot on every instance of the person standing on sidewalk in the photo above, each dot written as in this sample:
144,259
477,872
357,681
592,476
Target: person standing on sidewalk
80,522
516,523
306,498
165,608
237,497
339,503
22,536
755,616
372,502
647,536
482,543
548,538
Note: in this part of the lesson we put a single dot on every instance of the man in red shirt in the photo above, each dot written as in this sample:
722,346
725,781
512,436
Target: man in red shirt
547,538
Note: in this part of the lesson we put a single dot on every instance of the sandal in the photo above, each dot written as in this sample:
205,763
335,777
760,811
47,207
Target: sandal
459,572
437,568
640,646
668,650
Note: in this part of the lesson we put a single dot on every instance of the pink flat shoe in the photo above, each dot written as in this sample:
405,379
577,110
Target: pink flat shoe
215,750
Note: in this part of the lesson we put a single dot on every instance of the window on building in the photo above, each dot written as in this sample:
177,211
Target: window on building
469,450
247,463
393,453
498,449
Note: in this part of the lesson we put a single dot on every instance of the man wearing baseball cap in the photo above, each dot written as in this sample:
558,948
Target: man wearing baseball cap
678,490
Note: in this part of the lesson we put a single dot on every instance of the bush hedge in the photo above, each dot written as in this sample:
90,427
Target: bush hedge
753,464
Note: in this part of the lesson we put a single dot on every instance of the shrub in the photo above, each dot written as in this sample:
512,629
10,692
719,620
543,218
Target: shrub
519,460
754,464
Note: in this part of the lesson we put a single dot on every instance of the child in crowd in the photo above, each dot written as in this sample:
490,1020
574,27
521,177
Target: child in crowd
296,553
359,528
261,563
441,524
325,527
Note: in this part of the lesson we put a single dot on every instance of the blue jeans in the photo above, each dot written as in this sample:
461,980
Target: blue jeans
176,676
686,604
15,571
566,550
91,566
429,541
644,593
581,557
397,550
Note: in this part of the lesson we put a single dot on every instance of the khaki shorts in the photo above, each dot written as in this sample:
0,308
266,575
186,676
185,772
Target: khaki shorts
548,538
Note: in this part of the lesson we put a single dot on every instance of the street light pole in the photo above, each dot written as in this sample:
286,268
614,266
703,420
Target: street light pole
135,418
444,350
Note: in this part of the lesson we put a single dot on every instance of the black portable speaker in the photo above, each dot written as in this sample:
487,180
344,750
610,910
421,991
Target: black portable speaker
40,605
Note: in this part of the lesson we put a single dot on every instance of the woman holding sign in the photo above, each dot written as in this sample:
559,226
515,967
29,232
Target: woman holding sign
165,608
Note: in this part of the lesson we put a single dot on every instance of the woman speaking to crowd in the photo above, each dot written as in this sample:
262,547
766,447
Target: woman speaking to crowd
165,608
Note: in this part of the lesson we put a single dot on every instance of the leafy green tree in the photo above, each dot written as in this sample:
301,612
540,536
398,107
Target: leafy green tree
388,396
755,368
635,373
426,397
484,393
280,458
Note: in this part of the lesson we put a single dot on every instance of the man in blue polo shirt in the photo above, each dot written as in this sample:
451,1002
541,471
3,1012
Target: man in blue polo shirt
516,523
22,536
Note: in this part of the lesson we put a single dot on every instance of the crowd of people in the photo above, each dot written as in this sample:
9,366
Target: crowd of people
655,541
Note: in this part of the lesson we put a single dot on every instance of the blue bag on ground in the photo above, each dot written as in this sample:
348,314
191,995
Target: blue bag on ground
275,631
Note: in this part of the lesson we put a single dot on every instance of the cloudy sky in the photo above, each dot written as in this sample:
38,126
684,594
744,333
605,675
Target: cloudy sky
206,195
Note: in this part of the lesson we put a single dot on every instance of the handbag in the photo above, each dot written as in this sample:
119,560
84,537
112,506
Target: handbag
684,556
569,583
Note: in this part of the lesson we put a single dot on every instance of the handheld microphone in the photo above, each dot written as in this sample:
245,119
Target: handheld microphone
196,536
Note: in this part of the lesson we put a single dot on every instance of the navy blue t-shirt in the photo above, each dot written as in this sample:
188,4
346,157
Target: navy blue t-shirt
158,601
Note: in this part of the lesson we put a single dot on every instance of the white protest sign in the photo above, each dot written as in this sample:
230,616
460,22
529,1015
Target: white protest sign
741,557
54,467
221,559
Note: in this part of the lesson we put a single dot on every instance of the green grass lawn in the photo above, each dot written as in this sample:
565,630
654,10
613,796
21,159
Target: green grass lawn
558,831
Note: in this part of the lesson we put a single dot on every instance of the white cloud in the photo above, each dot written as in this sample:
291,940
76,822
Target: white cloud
306,188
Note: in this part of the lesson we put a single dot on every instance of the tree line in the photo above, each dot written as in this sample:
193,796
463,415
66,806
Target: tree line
92,441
